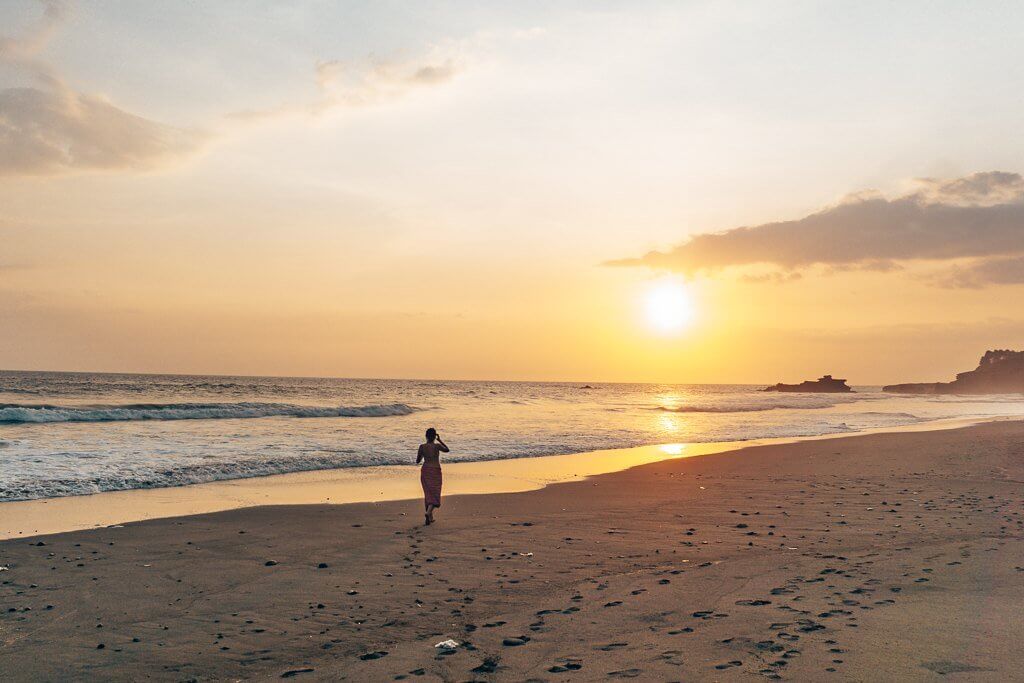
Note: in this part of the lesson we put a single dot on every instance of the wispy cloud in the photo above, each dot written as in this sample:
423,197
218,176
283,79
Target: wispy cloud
51,128
26,46
54,130
363,83
982,273
979,216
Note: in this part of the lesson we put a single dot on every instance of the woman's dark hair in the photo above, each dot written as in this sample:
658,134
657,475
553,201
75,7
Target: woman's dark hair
431,434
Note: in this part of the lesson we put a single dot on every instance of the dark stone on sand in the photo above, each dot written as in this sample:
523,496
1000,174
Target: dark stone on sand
270,563
515,642
322,565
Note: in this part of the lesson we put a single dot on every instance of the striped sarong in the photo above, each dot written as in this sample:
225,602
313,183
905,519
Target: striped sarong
430,478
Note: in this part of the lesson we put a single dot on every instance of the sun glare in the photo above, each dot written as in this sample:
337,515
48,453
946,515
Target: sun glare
668,307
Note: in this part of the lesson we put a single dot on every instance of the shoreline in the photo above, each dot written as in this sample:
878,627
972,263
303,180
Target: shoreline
873,557
374,484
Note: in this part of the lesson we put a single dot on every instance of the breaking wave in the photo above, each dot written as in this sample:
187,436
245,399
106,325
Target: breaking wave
17,413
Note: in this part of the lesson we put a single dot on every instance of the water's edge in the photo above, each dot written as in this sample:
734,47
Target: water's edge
22,519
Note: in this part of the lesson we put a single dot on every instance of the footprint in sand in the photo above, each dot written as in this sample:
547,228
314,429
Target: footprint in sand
624,673
296,672
488,666
948,667
687,629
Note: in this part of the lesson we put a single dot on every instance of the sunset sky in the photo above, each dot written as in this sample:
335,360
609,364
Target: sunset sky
491,190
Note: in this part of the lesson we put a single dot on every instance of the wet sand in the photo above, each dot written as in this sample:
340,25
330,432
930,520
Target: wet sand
879,557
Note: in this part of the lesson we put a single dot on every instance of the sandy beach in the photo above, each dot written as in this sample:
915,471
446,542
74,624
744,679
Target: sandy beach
869,558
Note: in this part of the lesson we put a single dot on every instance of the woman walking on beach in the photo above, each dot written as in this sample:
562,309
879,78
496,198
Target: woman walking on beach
430,474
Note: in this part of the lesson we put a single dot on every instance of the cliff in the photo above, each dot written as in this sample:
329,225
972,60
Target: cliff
823,385
999,372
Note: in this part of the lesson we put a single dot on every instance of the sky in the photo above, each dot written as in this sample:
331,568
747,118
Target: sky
492,190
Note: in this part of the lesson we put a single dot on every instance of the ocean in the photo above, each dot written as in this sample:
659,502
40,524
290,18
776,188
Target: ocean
65,434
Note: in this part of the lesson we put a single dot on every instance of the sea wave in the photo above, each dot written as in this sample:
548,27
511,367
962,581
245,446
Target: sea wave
749,407
20,413
135,474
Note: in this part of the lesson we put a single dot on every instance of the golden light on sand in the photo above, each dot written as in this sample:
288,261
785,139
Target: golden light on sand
668,307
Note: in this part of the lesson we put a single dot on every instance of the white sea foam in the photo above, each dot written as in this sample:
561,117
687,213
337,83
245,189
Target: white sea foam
18,413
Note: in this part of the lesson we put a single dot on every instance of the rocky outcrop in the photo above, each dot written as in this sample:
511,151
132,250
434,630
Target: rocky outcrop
823,385
999,372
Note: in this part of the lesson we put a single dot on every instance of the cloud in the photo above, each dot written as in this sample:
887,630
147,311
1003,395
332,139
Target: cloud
51,128
984,272
978,216
364,83
55,130
34,39
48,127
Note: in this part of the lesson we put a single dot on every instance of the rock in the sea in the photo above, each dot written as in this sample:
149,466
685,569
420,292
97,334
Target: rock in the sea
823,385
999,372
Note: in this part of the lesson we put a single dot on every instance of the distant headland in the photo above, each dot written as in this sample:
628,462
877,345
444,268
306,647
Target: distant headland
823,385
999,372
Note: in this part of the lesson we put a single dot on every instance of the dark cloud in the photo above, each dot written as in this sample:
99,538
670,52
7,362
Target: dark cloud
977,216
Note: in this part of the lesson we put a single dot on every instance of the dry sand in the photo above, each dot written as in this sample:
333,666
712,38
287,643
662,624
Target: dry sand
875,558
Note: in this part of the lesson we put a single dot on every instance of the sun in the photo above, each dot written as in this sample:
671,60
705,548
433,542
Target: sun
668,307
